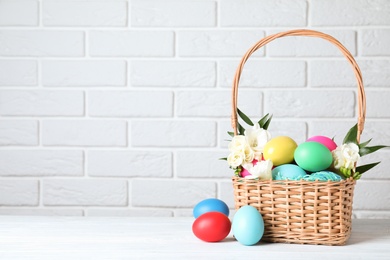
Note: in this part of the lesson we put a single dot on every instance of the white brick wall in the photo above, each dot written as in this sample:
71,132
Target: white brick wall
216,43
18,13
181,193
84,192
173,13
41,43
18,72
129,163
310,103
84,73
173,133
41,103
16,192
374,42
130,103
41,162
131,43
173,73
18,132
263,13
84,133
84,13
120,108
261,73
349,13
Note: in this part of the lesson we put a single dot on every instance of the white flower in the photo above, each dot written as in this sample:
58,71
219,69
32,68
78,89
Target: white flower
244,149
257,138
235,159
338,160
262,170
238,144
351,155
346,156
249,154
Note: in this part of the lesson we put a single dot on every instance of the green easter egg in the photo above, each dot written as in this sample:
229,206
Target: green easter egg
313,156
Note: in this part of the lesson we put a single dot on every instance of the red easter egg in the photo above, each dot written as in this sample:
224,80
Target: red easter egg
211,227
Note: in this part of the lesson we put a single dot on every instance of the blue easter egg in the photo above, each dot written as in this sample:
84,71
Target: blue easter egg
210,205
288,172
248,225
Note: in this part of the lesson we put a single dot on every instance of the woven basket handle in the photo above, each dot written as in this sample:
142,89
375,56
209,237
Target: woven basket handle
310,33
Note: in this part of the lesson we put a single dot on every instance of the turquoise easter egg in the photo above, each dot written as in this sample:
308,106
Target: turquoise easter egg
248,225
288,172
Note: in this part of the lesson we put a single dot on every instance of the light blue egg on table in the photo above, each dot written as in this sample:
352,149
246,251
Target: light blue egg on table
248,225
288,172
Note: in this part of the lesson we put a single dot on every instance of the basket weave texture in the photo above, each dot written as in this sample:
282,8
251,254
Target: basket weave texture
300,212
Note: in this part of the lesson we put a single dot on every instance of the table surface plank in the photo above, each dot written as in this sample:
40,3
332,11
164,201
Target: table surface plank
165,238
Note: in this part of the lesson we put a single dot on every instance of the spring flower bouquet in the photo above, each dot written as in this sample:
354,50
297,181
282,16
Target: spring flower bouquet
347,155
249,154
246,149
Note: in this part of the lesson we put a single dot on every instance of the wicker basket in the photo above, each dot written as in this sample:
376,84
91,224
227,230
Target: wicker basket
300,212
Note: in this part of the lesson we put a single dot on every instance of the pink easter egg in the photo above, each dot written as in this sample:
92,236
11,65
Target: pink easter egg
329,143
245,172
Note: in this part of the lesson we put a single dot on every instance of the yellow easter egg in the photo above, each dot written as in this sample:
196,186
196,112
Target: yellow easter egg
280,150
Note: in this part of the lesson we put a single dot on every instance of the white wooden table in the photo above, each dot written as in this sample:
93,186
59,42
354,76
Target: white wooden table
165,238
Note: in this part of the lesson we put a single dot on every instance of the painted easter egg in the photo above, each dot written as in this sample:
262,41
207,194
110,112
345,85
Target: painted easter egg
245,172
313,156
329,143
248,225
211,227
280,150
210,205
288,172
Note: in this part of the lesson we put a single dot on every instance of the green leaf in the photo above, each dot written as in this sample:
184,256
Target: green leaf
224,159
367,150
263,120
346,173
241,130
231,134
361,145
244,117
265,126
363,168
237,171
351,136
